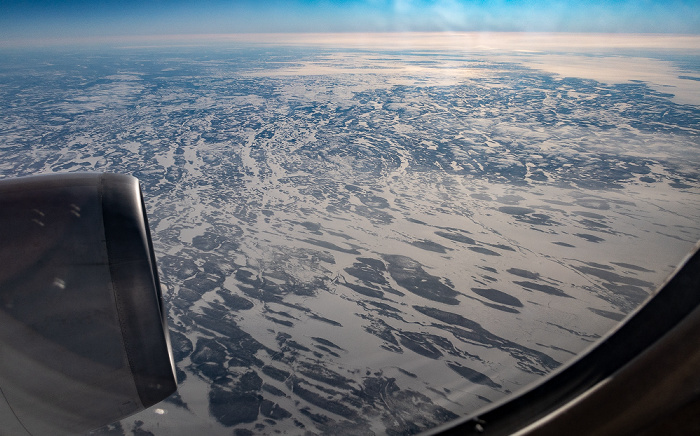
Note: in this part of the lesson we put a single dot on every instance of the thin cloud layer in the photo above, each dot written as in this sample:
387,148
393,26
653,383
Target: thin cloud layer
79,18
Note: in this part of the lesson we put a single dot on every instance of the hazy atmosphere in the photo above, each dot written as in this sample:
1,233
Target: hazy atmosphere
81,18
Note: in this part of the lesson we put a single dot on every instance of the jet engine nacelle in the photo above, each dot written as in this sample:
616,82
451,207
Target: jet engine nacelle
83,333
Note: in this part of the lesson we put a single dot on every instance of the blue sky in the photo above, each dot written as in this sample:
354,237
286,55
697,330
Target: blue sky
79,18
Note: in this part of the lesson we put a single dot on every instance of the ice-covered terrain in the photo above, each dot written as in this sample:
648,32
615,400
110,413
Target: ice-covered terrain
372,240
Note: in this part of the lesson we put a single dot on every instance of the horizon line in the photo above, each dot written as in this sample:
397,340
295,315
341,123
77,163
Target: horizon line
503,40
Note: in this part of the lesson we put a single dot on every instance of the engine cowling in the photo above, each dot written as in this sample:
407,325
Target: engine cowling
83,332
